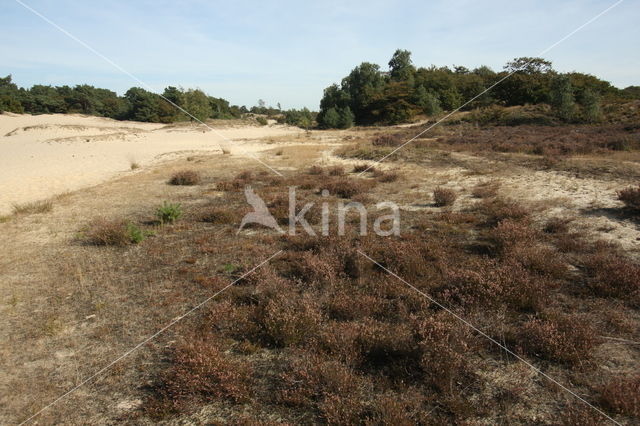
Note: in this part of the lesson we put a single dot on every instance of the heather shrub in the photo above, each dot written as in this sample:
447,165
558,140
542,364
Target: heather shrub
218,216
386,177
611,275
498,209
630,197
486,189
336,171
185,177
104,232
345,187
444,344
557,225
387,140
558,337
316,170
622,396
199,372
444,197
359,168
290,322
509,233
245,175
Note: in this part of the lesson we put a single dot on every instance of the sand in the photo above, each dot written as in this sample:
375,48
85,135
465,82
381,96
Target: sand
46,155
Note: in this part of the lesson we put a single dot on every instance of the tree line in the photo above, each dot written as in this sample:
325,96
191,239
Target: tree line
369,95
138,104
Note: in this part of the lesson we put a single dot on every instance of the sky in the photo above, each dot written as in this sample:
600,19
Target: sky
287,52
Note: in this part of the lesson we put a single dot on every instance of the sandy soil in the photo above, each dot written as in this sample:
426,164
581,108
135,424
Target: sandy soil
46,155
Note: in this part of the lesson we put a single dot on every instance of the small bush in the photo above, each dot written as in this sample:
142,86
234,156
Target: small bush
444,197
105,232
200,372
169,212
346,188
561,338
336,171
262,121
359,168
290,322
316,170
34,207
218,216
387,140
557,225
386,177
622,396
611,275
185,177
485,190
498,209
631,198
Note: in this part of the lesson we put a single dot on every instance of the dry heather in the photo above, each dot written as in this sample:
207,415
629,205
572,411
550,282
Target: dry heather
322,335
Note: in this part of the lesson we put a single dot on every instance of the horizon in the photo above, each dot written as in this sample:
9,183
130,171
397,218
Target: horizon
288,54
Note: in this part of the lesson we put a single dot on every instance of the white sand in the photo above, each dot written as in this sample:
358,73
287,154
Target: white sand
45,155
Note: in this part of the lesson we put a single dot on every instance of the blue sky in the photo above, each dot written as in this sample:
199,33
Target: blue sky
289,51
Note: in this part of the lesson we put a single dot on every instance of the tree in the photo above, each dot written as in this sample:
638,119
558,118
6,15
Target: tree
562,99
196,102
9,96
331,118
592,110
142,105
427,101
346,118
528,65
400,66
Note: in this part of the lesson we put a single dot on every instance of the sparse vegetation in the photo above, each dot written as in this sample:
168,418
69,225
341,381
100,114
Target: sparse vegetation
631,198
35,207
105,232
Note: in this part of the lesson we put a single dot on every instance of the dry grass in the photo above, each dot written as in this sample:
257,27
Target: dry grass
35,207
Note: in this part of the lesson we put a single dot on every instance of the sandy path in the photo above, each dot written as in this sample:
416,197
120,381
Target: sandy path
46,155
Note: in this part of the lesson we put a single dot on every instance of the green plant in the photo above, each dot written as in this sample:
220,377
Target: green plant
262,121
169,212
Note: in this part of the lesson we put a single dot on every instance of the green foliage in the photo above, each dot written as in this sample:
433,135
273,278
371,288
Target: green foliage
137,104
302,118
562,100
262,121
374,96
169,212
591,107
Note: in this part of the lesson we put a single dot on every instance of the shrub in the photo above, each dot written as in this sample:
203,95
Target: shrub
498,209
444,344
262,121
218,216
557,225
105,232
630,197
346,188
169,212
199,372
510,233
359,168
290,322
622,396
386,177
485,190
387,140
561,338
336,171
34,207
185,177
315,170
611,275
444,197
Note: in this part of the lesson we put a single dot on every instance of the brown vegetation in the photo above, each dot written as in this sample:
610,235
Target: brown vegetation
185,177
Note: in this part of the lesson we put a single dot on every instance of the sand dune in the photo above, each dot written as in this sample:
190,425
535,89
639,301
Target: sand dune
46,155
